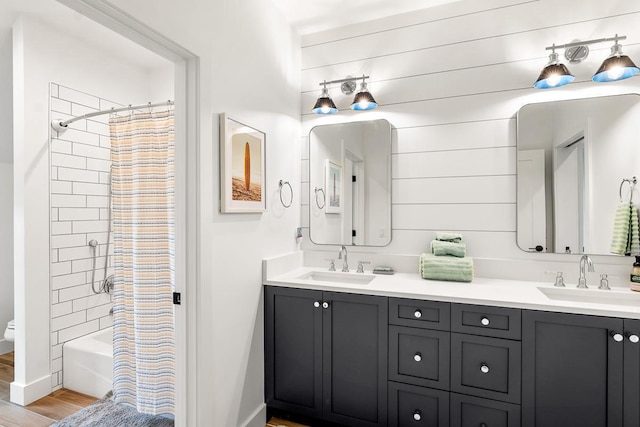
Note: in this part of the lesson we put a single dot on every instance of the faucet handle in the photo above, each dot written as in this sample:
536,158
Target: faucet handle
559,279
361,266
332,264
604,283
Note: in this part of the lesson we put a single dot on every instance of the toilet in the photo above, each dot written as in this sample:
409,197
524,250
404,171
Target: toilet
9,333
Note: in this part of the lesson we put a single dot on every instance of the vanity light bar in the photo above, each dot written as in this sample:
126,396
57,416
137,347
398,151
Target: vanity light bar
616,67
362,101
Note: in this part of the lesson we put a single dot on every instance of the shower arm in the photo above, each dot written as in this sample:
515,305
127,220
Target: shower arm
62,125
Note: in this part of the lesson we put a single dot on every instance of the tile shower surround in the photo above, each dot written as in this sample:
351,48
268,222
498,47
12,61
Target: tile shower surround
80,168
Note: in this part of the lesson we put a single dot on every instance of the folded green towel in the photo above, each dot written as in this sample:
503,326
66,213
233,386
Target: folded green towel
449,237
440,248
447,268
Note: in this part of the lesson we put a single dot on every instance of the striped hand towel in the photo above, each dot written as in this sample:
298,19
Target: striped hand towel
448,268
625,237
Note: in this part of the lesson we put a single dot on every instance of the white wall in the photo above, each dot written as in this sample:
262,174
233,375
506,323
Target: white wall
43,54
450,80
6,252
6,186
249,68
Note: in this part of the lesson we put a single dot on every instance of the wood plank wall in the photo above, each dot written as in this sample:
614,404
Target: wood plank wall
450,80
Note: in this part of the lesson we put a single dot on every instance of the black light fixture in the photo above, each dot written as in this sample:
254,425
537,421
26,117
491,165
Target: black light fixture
616,67
362,101
554,74
324,104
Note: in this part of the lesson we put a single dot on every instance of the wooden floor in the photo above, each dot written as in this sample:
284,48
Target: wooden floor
44,412
277,422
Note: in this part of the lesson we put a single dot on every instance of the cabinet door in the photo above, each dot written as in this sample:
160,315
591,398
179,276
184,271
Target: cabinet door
411,406
571,370
355,359
471,411
293,350
419,356
631,373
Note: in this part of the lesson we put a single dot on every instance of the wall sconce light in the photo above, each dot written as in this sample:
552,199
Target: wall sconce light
362,101
616,67
324,104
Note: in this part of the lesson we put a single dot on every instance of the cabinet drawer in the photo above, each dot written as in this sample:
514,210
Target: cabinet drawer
419,356
470,411
411,406
499,322
419,314
486,367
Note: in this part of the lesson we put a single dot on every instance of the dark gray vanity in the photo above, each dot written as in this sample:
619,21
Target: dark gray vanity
362,360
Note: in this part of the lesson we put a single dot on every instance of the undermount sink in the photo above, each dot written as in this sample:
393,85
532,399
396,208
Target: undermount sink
338,277
593,296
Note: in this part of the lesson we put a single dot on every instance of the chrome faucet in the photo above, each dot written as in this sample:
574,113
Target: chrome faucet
585,261
345,266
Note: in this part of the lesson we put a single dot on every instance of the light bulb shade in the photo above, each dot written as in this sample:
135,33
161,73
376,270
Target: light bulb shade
363,101
553,75
324,105
614,68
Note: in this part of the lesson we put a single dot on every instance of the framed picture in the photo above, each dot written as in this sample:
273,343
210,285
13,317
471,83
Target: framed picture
242,167
333,187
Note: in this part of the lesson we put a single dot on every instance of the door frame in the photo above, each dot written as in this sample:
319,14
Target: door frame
187,136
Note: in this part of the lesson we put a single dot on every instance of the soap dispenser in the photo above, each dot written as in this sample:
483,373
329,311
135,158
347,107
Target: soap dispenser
634,282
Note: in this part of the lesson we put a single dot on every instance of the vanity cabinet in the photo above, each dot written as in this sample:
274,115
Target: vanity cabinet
326,355
453,364
580,370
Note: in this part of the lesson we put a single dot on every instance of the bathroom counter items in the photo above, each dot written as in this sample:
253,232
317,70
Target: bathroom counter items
619,302
447,260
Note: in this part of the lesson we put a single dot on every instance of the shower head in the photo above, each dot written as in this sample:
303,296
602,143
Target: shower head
93,243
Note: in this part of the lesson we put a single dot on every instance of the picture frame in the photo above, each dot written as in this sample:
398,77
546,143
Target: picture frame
333,187
242,167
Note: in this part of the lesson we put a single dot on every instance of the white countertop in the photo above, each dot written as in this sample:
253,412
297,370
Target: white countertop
618,302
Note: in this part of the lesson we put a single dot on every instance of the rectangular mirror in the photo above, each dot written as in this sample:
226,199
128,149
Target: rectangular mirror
573,158
350,183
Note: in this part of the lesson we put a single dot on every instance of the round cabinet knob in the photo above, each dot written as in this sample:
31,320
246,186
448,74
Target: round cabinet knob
316,304
617,337
417,416
483,425
417,314
417,357
633,338
325,305
484,368
485,321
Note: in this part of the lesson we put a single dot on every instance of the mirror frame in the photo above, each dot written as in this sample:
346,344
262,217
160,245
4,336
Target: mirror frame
550,195
389,152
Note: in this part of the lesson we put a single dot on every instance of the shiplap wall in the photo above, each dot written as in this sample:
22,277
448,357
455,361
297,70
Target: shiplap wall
80,181
451,80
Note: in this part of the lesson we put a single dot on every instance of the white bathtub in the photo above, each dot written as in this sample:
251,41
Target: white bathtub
87,363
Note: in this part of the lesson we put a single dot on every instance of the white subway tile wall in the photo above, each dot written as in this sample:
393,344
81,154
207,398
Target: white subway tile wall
80,166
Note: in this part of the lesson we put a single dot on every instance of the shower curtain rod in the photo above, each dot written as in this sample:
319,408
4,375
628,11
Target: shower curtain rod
60,126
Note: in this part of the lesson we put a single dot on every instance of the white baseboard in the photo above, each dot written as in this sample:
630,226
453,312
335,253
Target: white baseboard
24,394
258,418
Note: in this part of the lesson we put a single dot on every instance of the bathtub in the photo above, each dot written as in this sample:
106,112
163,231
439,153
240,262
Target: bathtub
87,363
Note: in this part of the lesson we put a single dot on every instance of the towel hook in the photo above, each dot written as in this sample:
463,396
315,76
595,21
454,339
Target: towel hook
632,185
282,184
324,197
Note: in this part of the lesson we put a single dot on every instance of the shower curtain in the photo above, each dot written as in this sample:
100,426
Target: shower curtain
143,188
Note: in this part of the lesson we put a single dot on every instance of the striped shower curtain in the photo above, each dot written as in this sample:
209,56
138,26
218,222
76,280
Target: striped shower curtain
143,188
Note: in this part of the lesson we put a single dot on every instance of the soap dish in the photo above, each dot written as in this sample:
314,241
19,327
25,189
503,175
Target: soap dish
383,270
